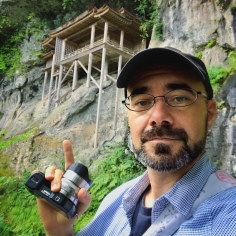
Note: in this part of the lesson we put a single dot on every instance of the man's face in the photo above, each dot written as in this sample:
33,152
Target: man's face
167,138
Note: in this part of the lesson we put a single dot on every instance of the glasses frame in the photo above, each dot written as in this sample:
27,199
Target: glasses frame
164,98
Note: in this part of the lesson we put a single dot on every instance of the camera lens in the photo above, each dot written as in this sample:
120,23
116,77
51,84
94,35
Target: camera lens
75,178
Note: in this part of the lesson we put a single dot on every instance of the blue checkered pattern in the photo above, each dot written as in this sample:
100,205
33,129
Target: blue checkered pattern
216,216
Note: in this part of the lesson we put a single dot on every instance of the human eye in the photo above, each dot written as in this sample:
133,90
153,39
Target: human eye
141,101
180,97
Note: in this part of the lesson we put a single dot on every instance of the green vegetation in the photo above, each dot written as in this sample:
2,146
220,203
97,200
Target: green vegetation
211,43
4,143
147,10
217,76
198,55
232,61
18,205
18,214
232,6
220,104
10,54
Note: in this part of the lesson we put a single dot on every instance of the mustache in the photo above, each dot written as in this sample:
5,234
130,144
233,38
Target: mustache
163,131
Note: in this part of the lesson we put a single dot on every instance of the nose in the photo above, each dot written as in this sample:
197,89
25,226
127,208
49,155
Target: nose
160,113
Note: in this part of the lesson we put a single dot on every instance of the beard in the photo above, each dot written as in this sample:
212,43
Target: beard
163,159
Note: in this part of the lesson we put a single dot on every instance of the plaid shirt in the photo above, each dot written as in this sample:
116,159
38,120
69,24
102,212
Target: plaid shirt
216,216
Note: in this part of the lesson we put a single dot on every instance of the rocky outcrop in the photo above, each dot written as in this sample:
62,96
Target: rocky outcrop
192,25
74,119
222,138
207,27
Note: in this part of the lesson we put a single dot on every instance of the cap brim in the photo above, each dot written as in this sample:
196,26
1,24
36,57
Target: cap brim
152,56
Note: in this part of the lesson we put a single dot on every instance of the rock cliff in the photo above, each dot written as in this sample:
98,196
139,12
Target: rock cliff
205,27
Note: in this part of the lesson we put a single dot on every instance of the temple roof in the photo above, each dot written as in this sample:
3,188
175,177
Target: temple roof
117,20
48,54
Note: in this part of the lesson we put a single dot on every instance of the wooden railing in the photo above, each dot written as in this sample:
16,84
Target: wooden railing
98,43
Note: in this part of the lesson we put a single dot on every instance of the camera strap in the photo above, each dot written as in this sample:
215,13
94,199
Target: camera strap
170,219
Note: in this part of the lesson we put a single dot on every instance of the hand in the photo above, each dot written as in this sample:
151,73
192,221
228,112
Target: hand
54,222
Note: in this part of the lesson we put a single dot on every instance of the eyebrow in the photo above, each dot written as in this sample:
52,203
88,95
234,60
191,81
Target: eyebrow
174,86
167,87
140,90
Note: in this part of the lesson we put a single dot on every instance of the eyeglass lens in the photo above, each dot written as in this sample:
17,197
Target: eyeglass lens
174,98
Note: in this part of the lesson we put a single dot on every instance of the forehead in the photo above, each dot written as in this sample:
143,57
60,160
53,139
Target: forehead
166,77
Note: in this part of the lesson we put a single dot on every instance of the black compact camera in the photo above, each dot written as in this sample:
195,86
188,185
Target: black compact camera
74,178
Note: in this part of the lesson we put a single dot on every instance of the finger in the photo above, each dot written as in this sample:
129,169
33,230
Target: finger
50,173
56,182
34,171
68,153
84,201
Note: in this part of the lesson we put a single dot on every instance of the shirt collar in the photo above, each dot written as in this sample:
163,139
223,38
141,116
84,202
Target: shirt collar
182,195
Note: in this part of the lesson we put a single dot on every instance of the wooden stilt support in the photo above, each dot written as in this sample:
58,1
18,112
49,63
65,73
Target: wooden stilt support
51,81
60,73
106,69
91,77
75,76
117,94
44,84
118,72
90,60
56,83
101,84
59,85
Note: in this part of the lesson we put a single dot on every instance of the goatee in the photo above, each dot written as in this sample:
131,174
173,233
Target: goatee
163,158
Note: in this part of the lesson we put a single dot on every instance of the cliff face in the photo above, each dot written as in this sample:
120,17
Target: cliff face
192,26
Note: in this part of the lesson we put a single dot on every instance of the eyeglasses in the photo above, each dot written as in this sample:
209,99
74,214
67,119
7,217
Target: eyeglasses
175,98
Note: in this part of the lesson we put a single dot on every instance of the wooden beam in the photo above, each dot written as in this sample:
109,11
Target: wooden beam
44,84
93,80
51,81
101,84
75,76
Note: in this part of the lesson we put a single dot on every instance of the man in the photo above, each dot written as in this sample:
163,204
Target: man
169,104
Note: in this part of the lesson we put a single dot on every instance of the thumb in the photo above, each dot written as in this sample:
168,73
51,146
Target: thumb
84,201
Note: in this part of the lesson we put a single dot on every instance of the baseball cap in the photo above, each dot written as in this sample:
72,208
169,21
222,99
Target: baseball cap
165,55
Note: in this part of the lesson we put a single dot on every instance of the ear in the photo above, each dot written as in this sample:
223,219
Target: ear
211,111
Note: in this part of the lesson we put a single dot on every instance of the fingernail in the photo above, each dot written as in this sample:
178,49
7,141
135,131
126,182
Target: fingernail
85,195
54,186
48,174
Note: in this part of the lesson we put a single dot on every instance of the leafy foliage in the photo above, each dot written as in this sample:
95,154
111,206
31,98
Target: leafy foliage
217,76
232,61
10,54
6,143
211,43
147,10
116,169
198,55
18,215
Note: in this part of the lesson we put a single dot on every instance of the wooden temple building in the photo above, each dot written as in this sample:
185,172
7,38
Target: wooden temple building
101,40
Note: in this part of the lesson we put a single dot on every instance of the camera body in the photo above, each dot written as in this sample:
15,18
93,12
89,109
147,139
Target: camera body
74,178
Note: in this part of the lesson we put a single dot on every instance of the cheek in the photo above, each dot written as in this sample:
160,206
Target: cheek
195,125
137,124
